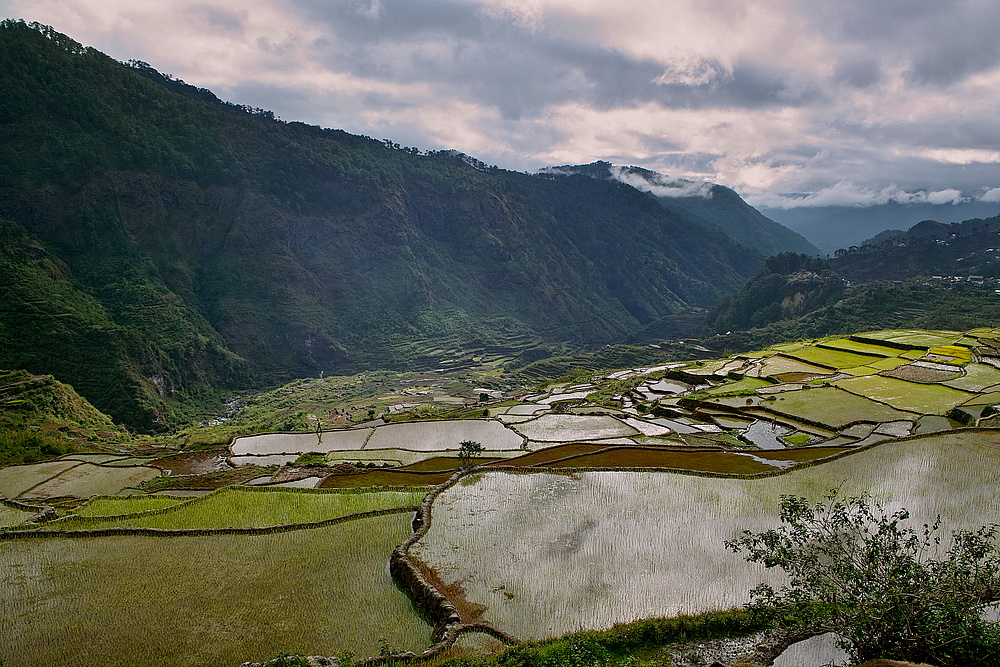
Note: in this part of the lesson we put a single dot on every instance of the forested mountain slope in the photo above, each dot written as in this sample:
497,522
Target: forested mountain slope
708,203
159,245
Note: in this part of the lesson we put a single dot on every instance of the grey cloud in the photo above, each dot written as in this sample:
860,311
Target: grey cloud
858,73
469,53
936,43
220,18
956,51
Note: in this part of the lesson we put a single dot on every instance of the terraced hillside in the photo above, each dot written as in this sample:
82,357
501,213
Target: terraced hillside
653,467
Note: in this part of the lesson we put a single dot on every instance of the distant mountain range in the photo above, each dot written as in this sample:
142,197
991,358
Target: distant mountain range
835,227
159,246
933,275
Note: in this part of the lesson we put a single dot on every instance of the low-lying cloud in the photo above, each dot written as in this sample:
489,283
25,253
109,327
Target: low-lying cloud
662,186
846,193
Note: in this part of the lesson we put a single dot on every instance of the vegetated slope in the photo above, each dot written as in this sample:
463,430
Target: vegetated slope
796,296
789,285
39,415
708,203
927,249
196,244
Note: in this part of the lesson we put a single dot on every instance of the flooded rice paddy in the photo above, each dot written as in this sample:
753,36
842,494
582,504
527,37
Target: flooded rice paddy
547,554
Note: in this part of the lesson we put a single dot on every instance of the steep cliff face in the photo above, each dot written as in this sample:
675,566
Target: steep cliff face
201,245
709,204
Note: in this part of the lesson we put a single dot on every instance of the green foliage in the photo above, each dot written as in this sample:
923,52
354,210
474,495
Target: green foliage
624,644
468,450
876,306
860,570
309,458
788,286
166,245
18,446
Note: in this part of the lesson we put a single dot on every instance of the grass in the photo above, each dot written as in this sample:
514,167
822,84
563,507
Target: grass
214,600
547,554
237,507
903,395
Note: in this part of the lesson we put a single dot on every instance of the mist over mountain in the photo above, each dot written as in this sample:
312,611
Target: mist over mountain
158,245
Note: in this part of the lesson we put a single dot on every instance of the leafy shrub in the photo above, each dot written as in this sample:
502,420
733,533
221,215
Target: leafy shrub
856,569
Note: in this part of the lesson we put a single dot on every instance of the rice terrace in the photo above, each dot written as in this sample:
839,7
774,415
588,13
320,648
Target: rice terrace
601,498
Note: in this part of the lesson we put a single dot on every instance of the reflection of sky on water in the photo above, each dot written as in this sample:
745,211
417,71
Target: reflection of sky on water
766,434
588,550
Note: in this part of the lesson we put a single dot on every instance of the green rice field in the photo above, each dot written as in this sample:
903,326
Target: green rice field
832,358
241,507
831,406
861,347
910,396
977,377
925,339
745,385
118,505
15,480
547,554
379,478
194,601
779,365
12,516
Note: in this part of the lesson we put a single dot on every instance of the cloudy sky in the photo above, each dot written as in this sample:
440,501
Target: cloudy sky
837,102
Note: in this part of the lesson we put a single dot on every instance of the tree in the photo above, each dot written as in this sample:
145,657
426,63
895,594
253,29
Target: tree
861,571
469,449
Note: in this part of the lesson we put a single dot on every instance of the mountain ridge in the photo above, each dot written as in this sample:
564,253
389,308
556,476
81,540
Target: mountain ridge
213,247
709,203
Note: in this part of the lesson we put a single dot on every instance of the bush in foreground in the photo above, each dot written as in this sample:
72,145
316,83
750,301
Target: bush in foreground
859,570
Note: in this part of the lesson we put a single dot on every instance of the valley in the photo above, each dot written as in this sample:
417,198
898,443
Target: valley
654,467
272,390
